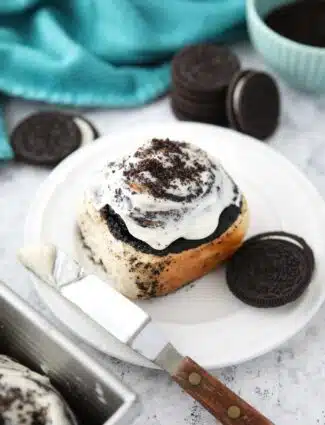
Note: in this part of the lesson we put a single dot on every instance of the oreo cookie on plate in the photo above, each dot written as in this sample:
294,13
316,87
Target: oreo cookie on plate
270,269
48,137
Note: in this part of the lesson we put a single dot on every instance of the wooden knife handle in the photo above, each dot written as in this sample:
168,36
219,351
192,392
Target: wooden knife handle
220,401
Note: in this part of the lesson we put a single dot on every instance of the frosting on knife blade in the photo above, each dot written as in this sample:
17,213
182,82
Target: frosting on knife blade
50,264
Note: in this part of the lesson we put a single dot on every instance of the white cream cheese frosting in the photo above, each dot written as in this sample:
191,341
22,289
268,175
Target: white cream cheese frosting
27,398
164,191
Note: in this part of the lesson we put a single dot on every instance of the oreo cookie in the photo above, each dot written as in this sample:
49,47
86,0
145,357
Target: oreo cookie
45,138
270,269
204,68
198,114
48,137
182,116
197,108
253,104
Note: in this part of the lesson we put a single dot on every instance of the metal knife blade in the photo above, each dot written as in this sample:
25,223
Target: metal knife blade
115,313
134,327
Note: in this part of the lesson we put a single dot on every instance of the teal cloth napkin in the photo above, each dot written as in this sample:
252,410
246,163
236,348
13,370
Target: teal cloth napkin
103,53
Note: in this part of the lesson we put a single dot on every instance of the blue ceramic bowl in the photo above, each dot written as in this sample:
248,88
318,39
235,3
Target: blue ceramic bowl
300,65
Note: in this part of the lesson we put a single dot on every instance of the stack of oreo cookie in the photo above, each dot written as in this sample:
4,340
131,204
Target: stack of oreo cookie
201,75
208,86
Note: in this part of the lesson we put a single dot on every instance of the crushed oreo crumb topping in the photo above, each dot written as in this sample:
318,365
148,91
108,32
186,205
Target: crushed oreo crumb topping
26,397
157,176
33,414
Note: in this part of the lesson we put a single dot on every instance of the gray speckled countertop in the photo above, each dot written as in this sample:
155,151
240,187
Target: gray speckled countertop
287,385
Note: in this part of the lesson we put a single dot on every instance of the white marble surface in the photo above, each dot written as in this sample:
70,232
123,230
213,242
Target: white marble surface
287,385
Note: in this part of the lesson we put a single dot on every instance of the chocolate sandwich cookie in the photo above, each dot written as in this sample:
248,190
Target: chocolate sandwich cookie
188,116
204,68
204,98
182,116
45,138
197,107
270,269
253,104
198,114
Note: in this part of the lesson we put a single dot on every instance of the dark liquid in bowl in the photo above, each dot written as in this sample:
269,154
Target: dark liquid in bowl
302,21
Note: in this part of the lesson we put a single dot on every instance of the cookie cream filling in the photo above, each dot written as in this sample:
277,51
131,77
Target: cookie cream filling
87,133
164,191
237,94
27,398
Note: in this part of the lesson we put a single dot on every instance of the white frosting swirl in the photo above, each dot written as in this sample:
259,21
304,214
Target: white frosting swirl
165,191
27,398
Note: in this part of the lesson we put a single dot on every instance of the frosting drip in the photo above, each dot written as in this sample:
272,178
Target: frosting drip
164,191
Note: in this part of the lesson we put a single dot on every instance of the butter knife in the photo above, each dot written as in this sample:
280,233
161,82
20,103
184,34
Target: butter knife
133,326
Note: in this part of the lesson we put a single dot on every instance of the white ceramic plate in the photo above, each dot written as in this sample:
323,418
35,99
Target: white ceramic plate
203,320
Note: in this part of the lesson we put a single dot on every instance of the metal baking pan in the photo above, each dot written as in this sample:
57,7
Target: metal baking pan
94,394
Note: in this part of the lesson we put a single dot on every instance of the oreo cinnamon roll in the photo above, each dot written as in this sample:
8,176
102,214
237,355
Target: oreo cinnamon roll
27,398
162,217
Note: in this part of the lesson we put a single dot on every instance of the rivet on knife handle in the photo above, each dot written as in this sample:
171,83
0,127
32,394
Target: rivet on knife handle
221,402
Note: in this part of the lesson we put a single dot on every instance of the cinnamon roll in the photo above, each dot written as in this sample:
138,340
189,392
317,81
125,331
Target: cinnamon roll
162,217
27,398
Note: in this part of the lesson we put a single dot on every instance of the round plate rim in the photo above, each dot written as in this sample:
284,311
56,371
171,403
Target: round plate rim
41,195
